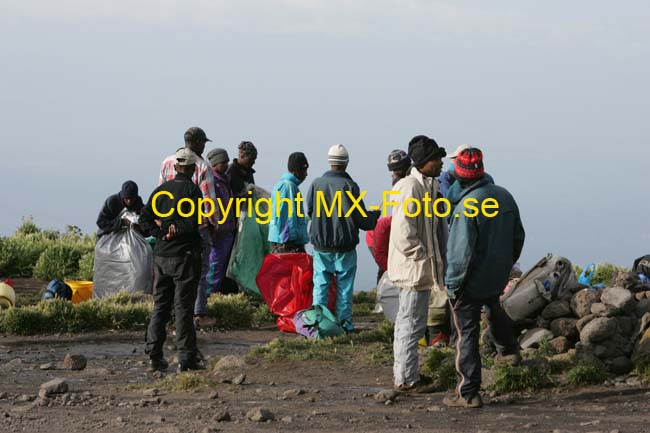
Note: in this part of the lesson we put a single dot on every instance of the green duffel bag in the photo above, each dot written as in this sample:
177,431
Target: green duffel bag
317,323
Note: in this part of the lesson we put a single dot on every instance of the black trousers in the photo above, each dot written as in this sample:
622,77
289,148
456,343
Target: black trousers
177,279
466,333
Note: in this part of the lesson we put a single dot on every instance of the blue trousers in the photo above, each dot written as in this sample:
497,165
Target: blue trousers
343,266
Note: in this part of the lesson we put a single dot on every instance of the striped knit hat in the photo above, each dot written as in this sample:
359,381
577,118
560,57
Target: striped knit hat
469,164
398,160
338,155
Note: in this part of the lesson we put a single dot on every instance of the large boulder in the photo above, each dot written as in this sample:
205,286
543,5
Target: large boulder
598,330
583,322
560,345
620,365
615,347
582,301
564,327
642,307
556,310
603,310
533,337
622,300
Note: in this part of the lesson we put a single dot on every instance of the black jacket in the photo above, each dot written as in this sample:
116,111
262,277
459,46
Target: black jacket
109,219
336,233
239,177
188,239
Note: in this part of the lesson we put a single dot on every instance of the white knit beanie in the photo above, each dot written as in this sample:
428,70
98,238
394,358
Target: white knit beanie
338,155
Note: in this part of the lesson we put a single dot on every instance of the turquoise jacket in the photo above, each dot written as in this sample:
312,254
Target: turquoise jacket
481,251
285,228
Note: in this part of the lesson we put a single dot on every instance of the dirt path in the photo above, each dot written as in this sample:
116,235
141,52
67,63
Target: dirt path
109,395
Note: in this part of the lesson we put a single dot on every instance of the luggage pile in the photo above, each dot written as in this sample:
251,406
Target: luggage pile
608,325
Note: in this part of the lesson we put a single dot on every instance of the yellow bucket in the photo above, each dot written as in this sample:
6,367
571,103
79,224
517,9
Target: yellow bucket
81,290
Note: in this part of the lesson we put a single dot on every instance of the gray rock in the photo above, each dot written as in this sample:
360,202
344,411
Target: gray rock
75,362
603,310
153,392
54,386
626,325
48,366
581,323
582,301
24,398
287,420
259,415
560,344
619,298
556,310
292,393
598,330
222,416
213,395
564,328
239,379
533,337
386,395
229,362
209,430
621,365
3,395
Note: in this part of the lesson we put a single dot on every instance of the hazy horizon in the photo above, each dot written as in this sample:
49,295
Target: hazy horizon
554,93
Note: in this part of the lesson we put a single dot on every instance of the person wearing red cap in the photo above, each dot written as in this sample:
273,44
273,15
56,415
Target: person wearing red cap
481,251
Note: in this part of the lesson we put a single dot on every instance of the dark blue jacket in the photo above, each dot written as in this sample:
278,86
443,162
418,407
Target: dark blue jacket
481,251
446,180
336,233
109,219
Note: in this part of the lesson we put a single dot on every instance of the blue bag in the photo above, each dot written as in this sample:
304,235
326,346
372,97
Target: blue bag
57,289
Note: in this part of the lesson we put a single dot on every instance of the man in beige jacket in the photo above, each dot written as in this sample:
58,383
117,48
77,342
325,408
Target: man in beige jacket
415,257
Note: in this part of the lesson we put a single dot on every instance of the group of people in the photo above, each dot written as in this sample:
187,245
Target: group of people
447,270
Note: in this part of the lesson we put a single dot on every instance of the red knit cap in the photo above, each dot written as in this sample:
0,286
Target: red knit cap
469,164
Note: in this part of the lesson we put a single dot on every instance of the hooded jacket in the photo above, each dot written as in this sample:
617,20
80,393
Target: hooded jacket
416,252
336,233
481,251
109,218
284,228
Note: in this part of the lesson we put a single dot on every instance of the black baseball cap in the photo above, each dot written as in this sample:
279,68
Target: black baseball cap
195,135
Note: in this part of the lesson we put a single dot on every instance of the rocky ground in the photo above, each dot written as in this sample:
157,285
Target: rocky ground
114,392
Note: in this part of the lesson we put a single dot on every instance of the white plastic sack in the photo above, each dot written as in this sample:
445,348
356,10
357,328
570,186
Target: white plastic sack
388,298
123,262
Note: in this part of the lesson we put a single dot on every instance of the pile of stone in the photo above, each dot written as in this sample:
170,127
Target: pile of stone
602,324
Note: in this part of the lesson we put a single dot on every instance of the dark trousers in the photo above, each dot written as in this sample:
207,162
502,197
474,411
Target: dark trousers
466,332
177,279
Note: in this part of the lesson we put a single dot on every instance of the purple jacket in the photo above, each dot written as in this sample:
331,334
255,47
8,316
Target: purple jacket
223,193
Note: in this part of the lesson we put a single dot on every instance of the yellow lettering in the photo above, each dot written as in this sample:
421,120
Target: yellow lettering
224,212
265,215
299,205
490,203
417,204
356,204
155,209
385,203
447,204
180,208
471,207
202,213
320,200
278,204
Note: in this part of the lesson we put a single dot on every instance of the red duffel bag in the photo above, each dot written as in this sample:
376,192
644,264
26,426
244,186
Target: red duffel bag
286,284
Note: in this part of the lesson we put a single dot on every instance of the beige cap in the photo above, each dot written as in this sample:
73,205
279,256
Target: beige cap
459,149
185,156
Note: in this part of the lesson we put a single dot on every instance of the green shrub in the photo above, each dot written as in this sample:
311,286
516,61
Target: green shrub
27,227
86,264
60,316
19,254
262,316
586,374
606,273
231,311
545,349
526,377
439,364
57,261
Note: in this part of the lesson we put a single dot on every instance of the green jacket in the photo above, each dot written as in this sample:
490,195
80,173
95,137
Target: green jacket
481,251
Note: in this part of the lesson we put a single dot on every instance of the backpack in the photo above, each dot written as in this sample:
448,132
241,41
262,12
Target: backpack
317,323
57,289
551,278
642,265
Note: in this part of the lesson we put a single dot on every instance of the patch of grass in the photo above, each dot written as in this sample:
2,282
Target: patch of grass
365,297
606,273
439,364
382,334
380,354
231,311
560,366
545,349
526,377
57,262
262,316
298,349
586,374
187,381
60,316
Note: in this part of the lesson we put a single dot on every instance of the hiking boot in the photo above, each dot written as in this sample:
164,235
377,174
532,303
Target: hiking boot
190,366
439,340
203,321
158,364
423,386
474,402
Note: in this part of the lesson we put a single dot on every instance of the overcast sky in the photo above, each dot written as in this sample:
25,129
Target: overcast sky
555,93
